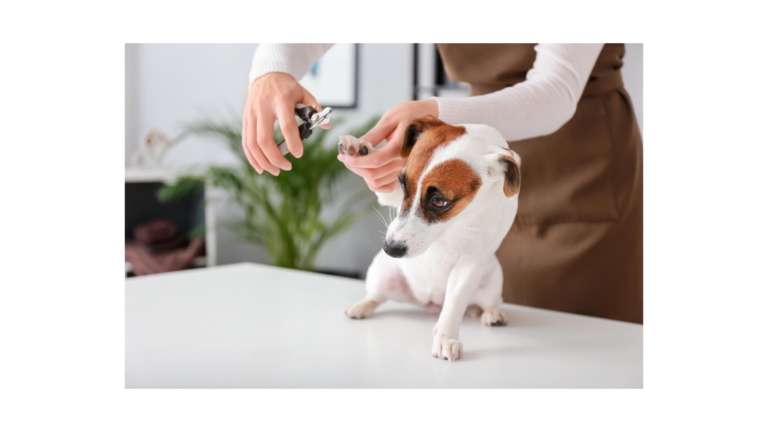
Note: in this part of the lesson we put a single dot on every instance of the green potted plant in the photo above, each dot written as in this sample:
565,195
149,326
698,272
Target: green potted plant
284,214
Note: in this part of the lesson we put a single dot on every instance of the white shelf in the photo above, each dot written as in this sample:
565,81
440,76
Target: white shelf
200,261
137,175
168,175
147,175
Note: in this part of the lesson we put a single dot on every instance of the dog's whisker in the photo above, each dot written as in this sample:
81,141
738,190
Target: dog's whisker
383,220
377,212
375,209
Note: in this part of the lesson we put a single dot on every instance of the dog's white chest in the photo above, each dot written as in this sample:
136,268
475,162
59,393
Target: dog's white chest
426,278
427,274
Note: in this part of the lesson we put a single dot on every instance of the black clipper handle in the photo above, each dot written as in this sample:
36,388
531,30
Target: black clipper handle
305,113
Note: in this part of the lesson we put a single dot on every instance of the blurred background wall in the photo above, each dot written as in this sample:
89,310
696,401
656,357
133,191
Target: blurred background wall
168,85
633,78
129,100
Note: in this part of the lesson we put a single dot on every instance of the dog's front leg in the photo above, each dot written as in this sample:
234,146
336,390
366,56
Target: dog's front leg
462,283
393,199
354,147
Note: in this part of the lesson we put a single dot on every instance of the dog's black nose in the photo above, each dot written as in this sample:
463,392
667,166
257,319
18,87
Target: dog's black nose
395,249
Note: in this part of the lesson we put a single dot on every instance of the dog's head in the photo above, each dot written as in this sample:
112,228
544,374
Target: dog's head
451,173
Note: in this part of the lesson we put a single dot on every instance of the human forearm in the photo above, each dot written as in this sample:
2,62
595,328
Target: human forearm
293,59
538,106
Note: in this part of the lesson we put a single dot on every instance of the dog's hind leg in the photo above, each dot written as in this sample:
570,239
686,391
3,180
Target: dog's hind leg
362,309
488,295
384,282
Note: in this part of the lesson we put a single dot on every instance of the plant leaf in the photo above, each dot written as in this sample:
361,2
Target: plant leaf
287,214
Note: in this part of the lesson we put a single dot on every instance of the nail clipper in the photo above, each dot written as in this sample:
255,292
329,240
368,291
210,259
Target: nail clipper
307,118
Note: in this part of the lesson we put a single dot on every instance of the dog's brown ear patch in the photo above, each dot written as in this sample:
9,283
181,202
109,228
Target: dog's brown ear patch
453,180
431,134
414,130
512,177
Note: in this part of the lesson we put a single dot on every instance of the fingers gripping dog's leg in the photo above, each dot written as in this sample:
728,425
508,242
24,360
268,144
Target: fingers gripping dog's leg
351,146
462,283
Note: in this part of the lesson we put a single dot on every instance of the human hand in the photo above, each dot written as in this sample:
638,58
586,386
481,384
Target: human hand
273,97
380,168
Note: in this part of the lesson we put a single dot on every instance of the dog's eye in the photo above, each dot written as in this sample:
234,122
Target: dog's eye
437,202
401,177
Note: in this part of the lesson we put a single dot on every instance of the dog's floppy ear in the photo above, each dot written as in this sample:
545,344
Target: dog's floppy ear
414,130
512,179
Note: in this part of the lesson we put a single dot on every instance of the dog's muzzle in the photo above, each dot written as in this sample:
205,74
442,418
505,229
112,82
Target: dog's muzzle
395,249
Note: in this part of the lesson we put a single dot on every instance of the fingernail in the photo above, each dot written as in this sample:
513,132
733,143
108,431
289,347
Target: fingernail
342,158
287,167
298,153
274,172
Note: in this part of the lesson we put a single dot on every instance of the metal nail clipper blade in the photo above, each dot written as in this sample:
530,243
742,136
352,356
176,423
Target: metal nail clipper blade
307,118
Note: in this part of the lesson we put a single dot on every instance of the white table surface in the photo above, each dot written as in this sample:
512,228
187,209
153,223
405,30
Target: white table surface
255,326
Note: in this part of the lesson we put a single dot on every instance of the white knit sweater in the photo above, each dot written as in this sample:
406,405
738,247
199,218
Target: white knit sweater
538,106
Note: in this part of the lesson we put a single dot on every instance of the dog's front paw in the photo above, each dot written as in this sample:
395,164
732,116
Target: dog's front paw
494,318
444,347
363,309
351,146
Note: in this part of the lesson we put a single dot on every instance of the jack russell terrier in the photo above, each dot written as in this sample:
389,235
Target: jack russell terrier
457,201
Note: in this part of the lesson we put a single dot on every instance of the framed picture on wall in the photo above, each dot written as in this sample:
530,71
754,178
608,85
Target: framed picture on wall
333,79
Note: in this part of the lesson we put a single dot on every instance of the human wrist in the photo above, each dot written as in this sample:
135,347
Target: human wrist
429,107
265,69
451,110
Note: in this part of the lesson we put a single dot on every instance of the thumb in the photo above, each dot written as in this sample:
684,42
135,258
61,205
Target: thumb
379,133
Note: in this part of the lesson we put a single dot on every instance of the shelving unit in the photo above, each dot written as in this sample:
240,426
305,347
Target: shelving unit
142,206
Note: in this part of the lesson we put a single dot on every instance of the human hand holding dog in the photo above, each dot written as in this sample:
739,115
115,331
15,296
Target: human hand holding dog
380,168
273,97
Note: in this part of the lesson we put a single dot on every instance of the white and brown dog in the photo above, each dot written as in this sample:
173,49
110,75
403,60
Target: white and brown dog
458,199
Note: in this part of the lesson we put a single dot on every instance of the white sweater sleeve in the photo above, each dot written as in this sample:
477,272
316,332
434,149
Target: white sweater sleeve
538,106
293,59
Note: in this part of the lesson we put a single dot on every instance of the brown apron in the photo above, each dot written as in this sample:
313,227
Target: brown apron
577,242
